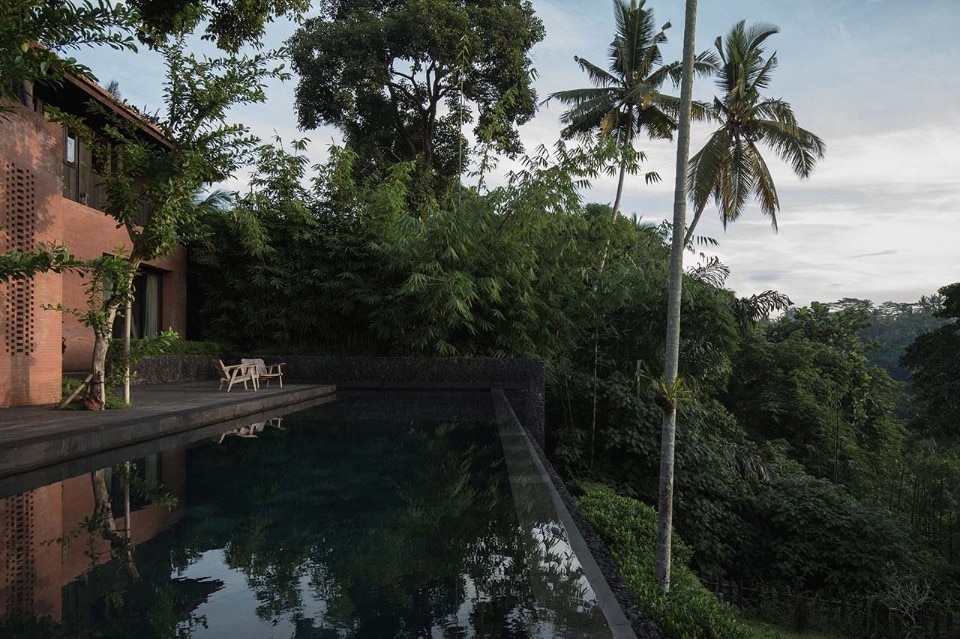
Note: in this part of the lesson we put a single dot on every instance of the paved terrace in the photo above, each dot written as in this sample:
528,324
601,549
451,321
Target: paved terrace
35,436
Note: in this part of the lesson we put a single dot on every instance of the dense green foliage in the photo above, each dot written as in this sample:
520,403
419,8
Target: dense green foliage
59,27
790,468
628,529
230,24
891,327
804,381
403,93
934,362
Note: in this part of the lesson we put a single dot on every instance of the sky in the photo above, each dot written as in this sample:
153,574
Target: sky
879,218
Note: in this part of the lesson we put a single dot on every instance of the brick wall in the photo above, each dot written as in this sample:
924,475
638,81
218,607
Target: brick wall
32,211
88,234
30,359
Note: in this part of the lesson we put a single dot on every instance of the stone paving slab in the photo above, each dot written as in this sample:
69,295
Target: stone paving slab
32,437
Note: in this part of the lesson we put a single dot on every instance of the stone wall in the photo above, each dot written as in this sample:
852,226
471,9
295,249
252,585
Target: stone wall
167,369
522,380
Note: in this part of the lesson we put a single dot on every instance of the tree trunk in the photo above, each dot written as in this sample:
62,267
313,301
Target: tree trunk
102,522
102,335
616,203
628,140
672,359
98,364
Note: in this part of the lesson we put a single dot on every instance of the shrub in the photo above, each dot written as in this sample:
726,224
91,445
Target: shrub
628,528
811,534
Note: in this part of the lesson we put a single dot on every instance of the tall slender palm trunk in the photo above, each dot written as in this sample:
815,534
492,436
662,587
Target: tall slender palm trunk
627,140
672,360
616,202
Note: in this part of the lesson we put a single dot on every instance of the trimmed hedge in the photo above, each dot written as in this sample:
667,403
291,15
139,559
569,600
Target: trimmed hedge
628,529
176,347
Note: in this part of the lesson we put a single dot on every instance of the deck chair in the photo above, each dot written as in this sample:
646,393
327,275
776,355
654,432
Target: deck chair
234,373
273,371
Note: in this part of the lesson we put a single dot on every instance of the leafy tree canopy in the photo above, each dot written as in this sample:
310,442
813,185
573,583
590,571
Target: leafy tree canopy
230,24
934,363
399,78
805,380
58,27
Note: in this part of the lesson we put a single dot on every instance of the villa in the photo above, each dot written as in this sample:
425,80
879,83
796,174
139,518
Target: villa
51,193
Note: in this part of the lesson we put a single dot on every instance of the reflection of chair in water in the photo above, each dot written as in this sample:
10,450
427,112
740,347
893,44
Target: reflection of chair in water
250,432
273,371
234,373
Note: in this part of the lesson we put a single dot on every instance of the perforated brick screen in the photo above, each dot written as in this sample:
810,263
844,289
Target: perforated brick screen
19,222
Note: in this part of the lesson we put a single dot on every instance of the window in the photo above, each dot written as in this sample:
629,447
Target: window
147,307
71,169
81,173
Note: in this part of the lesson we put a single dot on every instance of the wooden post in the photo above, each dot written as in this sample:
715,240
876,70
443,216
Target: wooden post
127,328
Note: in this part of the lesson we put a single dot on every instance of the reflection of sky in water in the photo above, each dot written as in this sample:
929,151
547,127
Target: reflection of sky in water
553,538
232,610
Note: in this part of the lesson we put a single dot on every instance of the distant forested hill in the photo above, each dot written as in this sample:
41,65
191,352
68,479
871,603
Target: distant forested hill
892,327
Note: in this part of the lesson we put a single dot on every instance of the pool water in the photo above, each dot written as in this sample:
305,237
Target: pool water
296,527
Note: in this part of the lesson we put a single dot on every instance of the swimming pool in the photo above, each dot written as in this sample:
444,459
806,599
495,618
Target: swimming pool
367,517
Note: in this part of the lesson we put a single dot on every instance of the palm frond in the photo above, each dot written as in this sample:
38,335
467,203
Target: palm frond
758,32
740,182
599,77
707,167
765,189
712,272
761,79
635,35
798,147
749,311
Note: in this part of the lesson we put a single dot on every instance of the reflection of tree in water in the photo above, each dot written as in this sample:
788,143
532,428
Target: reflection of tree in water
395,531
123,593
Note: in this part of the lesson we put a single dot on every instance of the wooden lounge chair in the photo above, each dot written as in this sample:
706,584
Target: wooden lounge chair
234,373
263,371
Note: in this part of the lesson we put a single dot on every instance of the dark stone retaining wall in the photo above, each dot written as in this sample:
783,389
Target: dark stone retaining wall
166,369
521,380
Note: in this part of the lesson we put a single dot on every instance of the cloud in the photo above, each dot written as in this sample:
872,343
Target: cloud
879,218
877,254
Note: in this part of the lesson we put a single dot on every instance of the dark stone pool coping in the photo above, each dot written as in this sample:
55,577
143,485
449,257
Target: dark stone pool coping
624,615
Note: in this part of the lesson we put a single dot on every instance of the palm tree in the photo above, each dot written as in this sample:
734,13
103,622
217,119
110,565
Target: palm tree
668,400
730,168
626,100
